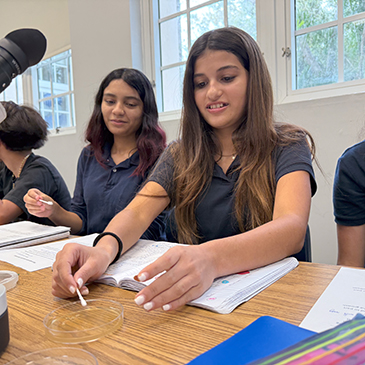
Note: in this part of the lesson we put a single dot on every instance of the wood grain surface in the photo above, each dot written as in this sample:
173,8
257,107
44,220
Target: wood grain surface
156,337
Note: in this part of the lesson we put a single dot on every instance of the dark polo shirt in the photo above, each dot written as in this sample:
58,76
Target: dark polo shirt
215,208
349,187
39,173
103,191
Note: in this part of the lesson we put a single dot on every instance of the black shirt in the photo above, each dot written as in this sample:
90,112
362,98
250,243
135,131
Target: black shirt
39,173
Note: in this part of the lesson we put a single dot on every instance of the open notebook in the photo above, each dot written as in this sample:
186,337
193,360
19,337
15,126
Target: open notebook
26,233
225,294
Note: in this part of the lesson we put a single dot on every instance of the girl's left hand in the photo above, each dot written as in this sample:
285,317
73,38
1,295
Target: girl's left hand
188,271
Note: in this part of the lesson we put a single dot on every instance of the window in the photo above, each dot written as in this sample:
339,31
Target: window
54,91
180,23
14,92
48,86
327,47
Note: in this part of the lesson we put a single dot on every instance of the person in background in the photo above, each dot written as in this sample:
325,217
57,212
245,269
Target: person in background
349,206
239,183
125,141
22,130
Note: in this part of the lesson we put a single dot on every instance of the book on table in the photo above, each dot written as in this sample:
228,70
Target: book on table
225,294
26,233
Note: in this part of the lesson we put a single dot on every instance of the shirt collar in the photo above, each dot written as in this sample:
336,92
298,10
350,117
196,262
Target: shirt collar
133,160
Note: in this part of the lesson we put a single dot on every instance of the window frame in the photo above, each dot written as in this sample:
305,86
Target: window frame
36,100
29,80
285,37
151,47
273,20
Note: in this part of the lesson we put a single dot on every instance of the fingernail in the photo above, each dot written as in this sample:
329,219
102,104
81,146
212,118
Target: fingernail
85,291
80,282
148,306
139,300
142,277
166,307
72,289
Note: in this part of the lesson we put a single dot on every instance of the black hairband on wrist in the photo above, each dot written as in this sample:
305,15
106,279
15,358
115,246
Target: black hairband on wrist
120,243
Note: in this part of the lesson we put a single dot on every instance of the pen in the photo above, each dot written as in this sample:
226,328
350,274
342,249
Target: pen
46,202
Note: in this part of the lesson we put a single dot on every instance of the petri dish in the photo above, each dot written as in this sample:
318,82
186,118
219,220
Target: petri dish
57,356
72,323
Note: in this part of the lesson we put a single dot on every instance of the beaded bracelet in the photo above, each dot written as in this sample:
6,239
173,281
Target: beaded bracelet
120,243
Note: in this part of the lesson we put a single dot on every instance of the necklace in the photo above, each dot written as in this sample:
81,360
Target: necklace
233,156
20,168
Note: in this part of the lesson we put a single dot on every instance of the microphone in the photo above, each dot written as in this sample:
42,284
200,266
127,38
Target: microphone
19,50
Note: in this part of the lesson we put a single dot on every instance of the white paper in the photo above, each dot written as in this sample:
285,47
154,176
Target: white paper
28,233
341,301
42,256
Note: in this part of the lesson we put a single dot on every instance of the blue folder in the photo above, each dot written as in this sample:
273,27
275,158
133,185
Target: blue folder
261,338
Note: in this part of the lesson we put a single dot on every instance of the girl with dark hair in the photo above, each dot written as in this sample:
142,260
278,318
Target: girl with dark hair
236,181
125,141
22,129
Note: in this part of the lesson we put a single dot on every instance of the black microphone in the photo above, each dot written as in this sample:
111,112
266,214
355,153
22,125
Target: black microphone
19,50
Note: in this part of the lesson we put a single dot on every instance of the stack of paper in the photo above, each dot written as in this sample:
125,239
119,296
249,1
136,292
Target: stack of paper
26,233
228,292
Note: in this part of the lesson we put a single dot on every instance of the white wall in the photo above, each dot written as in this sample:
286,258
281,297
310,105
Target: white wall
335,124
100,37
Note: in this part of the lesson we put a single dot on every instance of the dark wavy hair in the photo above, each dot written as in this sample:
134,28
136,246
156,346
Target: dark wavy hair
23,128
151,139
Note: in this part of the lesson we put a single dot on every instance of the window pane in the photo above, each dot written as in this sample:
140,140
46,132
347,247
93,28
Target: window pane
196,2
206,18
168,7
351,7
10,93
44,81
242,14
314,12
60,69
71,77
317,56
354,50
62,111
172,81
19,88
174,40
44,72
45,109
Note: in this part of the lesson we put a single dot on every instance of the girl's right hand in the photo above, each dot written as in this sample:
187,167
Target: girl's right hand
76,265
36,207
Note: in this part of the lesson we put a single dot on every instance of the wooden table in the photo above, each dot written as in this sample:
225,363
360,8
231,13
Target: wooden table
157,337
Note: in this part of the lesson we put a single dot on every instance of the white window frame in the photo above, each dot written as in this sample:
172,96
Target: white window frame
151,47
284,17
29,81
273,19
36,100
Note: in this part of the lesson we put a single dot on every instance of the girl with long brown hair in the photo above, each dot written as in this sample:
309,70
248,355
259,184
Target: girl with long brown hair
235,180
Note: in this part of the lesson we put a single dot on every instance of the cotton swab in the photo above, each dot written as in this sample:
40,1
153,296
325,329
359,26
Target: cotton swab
82,300
46,202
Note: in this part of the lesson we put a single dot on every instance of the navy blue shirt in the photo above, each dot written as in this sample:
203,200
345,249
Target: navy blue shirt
103,191
39,173
349,187
215,209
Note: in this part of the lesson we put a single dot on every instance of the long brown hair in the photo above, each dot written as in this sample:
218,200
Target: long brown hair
254,140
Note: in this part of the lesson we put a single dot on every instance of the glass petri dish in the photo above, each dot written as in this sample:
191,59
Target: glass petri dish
57,356
72,323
